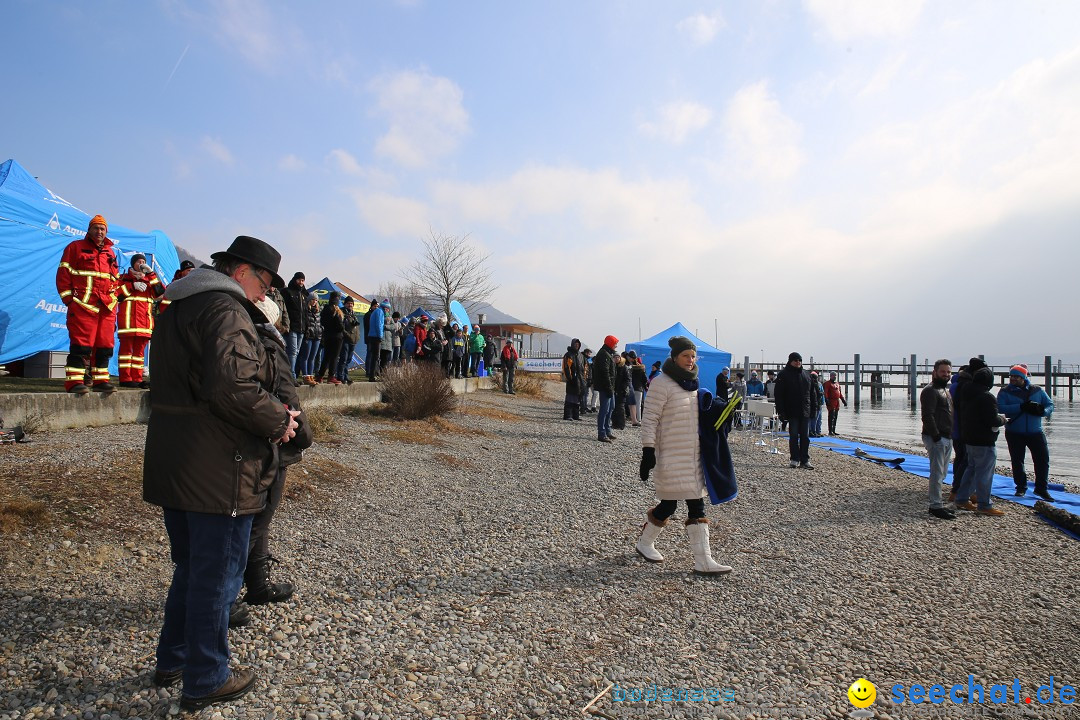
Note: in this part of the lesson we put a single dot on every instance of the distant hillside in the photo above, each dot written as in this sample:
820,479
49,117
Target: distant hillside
185,255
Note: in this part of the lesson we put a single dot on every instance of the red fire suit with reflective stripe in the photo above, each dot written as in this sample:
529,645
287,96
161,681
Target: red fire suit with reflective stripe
87,280
135,322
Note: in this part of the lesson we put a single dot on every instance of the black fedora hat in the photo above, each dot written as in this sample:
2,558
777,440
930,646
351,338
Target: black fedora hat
257,252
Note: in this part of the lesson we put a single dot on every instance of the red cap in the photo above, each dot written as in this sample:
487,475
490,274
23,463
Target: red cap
611,341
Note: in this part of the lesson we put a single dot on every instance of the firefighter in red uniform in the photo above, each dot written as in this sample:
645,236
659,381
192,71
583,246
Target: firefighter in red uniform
139,286
87,282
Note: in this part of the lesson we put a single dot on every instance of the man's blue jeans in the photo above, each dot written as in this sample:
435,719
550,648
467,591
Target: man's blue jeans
344,358
210,552
603,416
293,341
979,475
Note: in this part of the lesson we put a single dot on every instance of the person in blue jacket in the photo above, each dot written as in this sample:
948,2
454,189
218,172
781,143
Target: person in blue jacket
754,386
376,328
1025,405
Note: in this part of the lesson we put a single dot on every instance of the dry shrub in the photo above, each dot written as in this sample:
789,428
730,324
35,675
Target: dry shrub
34,422
379,410
415,432
415,391
455,461
529,384
324,425
442,425
19,513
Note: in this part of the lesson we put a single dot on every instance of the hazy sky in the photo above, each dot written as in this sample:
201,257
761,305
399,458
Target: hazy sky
832,176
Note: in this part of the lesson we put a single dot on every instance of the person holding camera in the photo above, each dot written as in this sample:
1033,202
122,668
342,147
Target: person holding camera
1025,405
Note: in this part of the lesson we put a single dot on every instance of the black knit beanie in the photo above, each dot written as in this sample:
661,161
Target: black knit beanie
679,344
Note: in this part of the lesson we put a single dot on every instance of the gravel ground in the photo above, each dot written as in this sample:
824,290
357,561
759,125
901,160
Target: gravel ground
493,575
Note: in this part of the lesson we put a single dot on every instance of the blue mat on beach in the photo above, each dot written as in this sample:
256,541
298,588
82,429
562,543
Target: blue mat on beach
1003,486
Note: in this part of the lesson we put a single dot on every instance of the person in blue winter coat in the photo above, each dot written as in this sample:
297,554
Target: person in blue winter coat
1025,405
375,330
754,386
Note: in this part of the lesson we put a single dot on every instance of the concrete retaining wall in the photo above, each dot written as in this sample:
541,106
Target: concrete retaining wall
56,411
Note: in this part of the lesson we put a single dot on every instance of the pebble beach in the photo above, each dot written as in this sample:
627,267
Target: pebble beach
483,566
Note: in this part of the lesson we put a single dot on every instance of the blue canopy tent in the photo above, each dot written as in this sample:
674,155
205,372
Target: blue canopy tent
35,227
710,360
418,312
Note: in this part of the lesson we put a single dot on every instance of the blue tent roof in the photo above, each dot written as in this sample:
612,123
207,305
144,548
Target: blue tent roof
710,360
35,227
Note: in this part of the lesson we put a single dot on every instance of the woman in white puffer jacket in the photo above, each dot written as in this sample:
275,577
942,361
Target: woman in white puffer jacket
669,438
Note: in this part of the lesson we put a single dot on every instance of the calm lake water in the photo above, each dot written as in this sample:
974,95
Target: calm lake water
894,421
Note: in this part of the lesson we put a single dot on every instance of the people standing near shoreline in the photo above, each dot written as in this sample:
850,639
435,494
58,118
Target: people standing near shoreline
332,320
604,383
374,327
794,403
295,296
956,389
671,445
622,387
937,421
1025,405
723,384
476,351
588,403
754,386
818,402
770,386
139,288
509,359
833,397
979,427
210,378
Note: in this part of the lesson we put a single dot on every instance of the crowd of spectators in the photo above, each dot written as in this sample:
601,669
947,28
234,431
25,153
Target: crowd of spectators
325,340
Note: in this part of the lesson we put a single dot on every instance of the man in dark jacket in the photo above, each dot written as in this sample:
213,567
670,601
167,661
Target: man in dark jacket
212,446
573,372
603,377
979,423
795,404
956,389
937,420
295,297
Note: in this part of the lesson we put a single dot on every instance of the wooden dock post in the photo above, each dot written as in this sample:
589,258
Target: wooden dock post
913,381
858,381
1049,379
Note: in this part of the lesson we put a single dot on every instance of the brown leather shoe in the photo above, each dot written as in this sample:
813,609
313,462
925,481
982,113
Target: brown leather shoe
992,512
969,506
237,686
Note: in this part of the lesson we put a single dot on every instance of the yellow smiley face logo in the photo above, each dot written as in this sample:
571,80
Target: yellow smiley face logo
862,693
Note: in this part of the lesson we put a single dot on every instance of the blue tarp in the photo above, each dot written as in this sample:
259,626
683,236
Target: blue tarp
710,360
1003,486
35,227
418,312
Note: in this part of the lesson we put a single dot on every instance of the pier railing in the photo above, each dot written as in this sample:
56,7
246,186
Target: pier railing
856,376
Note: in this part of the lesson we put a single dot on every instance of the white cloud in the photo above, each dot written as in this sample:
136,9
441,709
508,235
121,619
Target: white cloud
426,114
217,150
678,120
845,20
701,28
291,163
883,77
392,215
762,140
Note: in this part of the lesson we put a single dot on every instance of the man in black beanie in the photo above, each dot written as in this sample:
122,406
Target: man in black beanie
794,404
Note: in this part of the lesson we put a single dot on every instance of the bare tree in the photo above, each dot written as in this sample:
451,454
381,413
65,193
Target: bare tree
452,269
403,298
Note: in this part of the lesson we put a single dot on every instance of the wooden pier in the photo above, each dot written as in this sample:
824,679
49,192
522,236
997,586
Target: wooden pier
912,375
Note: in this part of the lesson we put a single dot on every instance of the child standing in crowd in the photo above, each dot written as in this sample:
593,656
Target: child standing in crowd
458,353
670,444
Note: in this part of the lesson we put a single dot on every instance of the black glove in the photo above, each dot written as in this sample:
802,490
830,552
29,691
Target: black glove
648,462
845,403
1033,408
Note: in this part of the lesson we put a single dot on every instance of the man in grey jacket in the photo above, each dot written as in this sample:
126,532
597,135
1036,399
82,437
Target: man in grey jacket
937,420
212,446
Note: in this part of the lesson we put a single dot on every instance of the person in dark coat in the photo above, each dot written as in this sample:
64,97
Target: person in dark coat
573,372
979,431
795,403
212,449
604,382
332,320
956,389
295,296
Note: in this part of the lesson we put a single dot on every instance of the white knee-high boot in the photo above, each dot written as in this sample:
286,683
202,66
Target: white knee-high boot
649,532
697,531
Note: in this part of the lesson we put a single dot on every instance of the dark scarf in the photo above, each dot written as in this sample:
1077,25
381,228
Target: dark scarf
687,379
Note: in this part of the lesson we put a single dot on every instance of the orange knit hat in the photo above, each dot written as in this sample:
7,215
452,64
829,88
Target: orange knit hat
98,220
